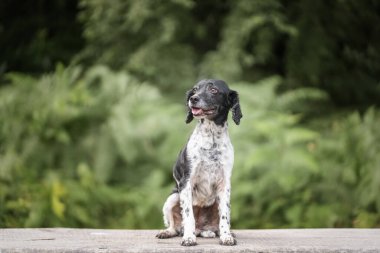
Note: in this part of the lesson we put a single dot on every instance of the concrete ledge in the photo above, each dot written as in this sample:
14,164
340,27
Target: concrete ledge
277,240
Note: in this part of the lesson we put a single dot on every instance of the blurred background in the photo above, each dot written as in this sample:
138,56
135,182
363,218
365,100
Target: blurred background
92,108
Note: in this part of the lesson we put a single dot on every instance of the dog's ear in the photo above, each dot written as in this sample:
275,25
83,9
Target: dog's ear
233,98
189,116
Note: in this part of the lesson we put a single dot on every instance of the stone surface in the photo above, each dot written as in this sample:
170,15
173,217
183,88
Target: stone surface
276,240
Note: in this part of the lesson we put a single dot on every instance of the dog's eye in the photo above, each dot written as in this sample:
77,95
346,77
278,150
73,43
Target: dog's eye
195,89
214,90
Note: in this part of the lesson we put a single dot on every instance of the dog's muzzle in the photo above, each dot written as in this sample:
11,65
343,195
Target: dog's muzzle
198,109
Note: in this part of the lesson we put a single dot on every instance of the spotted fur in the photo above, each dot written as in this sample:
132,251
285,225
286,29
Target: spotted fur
200,203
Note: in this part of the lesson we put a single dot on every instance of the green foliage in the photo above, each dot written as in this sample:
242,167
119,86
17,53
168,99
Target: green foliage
146,37
34,35
79,150
289,175
350,162
95,148
336,49
200,38
249,41
92,145
331,45
273,164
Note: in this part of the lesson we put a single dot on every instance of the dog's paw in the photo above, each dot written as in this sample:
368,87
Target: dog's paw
167,233
207,234
189,241
227,240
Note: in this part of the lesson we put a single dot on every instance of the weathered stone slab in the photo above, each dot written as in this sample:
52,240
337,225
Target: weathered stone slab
276,240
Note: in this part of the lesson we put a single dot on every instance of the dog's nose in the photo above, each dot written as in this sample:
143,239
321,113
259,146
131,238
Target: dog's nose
194,99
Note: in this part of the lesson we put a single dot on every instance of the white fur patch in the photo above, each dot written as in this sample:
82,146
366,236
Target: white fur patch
211,157
168,209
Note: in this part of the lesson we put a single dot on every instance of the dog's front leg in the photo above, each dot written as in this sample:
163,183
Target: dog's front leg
186,201
226,237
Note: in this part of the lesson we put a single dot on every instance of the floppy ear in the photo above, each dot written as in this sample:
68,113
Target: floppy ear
233,98
189,116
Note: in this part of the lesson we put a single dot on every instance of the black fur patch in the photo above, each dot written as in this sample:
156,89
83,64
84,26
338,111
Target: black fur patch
223,100
181,170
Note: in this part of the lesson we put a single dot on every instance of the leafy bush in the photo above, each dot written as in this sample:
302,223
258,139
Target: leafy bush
95,148
82,149
289,175
273,164
309,44
350,172
149,38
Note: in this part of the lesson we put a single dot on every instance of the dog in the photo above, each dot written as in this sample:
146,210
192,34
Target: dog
200,202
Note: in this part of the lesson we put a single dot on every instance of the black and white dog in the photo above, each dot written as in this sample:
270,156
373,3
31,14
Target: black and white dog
200,203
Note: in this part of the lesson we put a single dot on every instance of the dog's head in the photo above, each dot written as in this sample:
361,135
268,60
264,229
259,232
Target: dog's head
212,99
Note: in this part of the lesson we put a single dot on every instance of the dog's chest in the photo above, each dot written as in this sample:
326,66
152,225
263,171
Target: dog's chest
210,153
